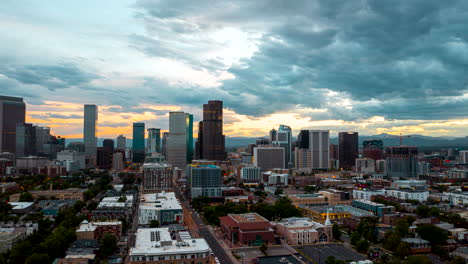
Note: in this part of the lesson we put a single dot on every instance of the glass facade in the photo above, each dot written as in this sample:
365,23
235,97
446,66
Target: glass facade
138,142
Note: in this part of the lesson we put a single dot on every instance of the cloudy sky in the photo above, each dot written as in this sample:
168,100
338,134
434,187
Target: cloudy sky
365,65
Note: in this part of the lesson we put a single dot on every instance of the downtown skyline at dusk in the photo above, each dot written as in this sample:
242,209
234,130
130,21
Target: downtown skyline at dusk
364,65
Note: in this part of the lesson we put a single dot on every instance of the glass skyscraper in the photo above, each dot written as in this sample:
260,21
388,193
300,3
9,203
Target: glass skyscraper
138,142
189,125
154,140
89,131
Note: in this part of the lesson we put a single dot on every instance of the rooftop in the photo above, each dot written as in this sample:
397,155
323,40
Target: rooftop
248,218
158,241
160,200
20,205
297,222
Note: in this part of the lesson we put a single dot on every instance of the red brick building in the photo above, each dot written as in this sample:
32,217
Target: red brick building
247,229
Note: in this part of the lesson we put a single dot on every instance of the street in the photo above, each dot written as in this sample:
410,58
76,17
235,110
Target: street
204,232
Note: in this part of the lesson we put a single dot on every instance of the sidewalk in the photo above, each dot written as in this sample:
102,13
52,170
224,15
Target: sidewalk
223,245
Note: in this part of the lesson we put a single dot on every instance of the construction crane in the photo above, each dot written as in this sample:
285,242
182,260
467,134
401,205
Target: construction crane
400,137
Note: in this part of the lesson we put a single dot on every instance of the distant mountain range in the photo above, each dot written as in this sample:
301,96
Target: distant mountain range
388,140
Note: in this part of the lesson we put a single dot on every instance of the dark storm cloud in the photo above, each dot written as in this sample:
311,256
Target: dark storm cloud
409,56
51,77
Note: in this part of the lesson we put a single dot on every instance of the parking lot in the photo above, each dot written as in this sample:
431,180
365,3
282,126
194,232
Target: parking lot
319,253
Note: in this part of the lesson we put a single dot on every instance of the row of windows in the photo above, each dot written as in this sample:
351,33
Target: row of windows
153,258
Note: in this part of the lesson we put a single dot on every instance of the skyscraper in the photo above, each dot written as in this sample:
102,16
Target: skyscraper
189,125
348,149
268,157
284,139
138,142
401,162
25,140
157,178
205,180
273,135
164,144
373,149
154,140
12,113
313,149
121,142
212,138
199,143
177,139
108,143
89,132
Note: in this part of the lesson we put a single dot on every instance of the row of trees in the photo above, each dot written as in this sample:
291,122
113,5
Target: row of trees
282,208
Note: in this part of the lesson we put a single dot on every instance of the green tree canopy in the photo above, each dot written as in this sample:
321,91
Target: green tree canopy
154,223
432,233
107,245
336,231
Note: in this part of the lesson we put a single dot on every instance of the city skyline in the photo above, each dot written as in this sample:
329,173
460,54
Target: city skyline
376,68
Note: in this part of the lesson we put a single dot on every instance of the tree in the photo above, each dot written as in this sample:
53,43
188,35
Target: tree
108,245
26,197
278,191
410,219
154,223
79,205
434,212
402,227
88,195
432,233
336,231
391,240
402,250
362,245
37,258
422,211
333,260
417,260
122,199
457,260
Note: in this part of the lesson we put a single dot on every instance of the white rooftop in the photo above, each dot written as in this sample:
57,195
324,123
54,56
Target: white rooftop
157,241
21,205
300,222
91,226
160,200
114,202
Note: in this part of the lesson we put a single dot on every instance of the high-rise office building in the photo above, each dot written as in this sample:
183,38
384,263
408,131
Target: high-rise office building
154,140
42,137
401,162
25,140
104,157
211,138
164,144
348,149
12,114
267,157
121,142
76,147
89,131
284,139
313,149
199,143
272,135
138,142
189,125
108,143
118,163
372,149
205,180
463,156
177,139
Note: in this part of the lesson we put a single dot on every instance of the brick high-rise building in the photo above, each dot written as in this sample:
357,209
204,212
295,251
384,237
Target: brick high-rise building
211,138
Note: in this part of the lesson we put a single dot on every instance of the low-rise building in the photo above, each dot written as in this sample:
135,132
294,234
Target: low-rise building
155,246
8,187
113,208
418,245
405,194
321,214
67,194
10,234
376,208
367,194
51,208
336,197
247,229
163,207
456,198
310,199
278,179
21,207
461,252
94,230
303,230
